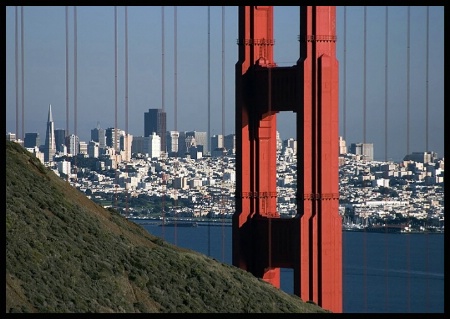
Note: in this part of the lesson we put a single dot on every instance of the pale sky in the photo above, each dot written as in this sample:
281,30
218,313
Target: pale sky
45,70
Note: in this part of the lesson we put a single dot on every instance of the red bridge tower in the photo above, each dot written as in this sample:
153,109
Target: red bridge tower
310,243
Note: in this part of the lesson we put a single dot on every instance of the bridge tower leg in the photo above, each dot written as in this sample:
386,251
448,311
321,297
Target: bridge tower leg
256,142
311,243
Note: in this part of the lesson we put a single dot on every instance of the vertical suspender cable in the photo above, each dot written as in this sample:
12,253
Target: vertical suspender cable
407,149
175,65
364,141
162,59
209,112
66,134
67,71
23,72
364,75
126,108
345,73
268,195
426,143
426,79
163,108
408,61
386,88
345,114
126,83
385,149
223,131
17,69
115,98
209,78
75,74
76,140
175,111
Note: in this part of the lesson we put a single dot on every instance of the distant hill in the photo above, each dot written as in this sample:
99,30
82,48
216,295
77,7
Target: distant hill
64,253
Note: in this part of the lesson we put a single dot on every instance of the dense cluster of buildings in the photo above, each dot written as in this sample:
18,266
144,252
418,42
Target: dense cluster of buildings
184,165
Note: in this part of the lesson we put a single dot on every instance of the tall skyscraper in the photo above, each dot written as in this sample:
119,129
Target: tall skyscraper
216,142
172,142
126,141
73,144
31,140
60,139
155,121
342,146
230,143
364,149
49,148
201,138
99,135
113,138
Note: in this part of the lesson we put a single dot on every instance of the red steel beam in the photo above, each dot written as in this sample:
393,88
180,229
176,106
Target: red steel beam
311,244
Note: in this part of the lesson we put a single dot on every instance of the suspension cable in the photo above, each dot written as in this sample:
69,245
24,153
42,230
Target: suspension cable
386,88
23,73
386,277
126,112
67,72
408,266
17,69
209,114
223,132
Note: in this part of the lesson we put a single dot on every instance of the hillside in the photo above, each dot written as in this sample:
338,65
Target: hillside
64,253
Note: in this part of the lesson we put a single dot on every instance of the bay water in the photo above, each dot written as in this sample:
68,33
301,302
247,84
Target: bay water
382,272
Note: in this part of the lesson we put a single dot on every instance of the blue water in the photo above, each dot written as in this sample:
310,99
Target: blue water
382,273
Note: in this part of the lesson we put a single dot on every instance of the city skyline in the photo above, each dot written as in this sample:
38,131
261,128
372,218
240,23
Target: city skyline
44,60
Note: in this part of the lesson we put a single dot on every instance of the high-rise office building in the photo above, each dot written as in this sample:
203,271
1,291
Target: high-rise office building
216,142
31,140
342,146
83,148
73,144
126,141
279,142
230,143
155,121
153,146
172,142
113,138
11,137
201,138
49,147
364,149
60,139
147,145
99,135
93,149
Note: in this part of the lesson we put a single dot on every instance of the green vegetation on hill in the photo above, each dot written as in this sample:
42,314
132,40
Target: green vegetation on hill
65,253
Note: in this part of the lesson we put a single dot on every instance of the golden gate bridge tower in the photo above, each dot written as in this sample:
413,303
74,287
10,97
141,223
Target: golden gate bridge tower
310,243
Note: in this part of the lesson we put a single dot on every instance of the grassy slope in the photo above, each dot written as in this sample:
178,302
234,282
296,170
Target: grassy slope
64,253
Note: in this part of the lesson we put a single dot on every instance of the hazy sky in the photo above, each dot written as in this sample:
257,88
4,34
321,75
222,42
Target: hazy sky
45,71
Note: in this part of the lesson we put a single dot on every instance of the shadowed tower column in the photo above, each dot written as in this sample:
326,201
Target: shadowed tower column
311,243
256,197
319,275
